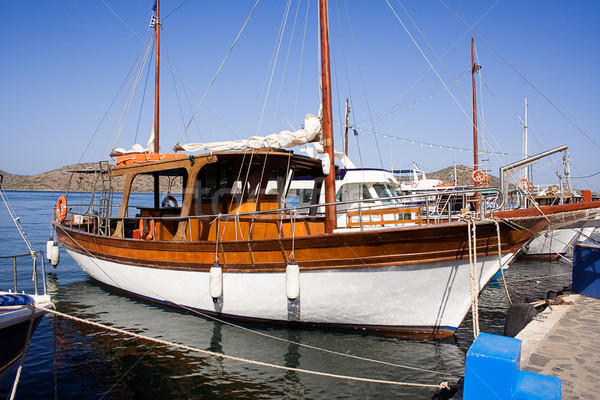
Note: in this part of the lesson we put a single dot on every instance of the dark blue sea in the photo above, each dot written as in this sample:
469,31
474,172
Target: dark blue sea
70,360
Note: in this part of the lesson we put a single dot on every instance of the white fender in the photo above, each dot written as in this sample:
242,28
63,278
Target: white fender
292,280
55,254
215,281
49,245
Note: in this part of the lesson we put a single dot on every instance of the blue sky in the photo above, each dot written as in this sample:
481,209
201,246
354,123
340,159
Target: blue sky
63,63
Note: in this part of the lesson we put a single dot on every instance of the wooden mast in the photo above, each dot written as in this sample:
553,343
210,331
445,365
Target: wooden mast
330,210
157,103
346,129
157,80
474,68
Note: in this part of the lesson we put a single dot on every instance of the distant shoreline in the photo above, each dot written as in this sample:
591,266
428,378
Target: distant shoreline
57,180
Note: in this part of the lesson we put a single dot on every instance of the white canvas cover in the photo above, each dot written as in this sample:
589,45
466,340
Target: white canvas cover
284,139
137,148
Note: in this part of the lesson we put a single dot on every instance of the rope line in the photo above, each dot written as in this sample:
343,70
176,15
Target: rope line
500,260
243,360
307,346
472,239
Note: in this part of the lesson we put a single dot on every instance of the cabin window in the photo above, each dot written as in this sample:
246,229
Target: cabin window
307,195
211,186
366,195
383,193
169,196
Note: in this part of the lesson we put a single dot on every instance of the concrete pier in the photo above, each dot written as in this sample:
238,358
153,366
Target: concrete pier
565,342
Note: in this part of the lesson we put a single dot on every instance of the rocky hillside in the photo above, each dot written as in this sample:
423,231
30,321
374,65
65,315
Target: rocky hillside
83,180
58,179
463,174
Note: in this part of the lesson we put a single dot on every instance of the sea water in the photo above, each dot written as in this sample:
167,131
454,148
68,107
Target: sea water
76,361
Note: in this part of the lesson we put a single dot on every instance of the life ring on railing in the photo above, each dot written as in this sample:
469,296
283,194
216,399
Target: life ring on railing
553,189
478,176
61,208
525,185
414,184
168,200
146,223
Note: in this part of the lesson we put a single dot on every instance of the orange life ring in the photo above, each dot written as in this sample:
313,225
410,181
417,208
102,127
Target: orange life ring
61,208
478,176
150,234
414,184
553,189
525,185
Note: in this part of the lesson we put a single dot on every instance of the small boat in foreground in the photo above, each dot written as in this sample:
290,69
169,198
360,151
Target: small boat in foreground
19,319
20,313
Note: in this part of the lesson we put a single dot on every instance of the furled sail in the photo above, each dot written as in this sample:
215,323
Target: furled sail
137,148
284,139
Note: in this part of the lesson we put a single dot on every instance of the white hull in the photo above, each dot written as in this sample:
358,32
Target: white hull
558,241
427,296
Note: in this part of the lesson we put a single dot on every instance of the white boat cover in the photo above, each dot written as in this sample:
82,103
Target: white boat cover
284,139
137,148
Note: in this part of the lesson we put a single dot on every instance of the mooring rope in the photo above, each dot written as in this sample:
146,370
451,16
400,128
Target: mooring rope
307,346
495,221
244,360
472,239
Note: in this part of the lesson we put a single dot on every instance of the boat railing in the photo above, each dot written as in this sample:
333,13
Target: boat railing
395,211
35,256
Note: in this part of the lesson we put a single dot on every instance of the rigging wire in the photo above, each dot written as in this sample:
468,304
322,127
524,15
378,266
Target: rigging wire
362,80
130,98
469,118
587,176
432,145
456,43
523,76
342,47
119,91
176,8
137,129
444,66
272,65
427,59
218,71
173,75
301,59
285,64
480,113
418,99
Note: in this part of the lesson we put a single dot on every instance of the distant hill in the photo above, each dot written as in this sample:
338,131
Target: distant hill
55,180
463,174
58,179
